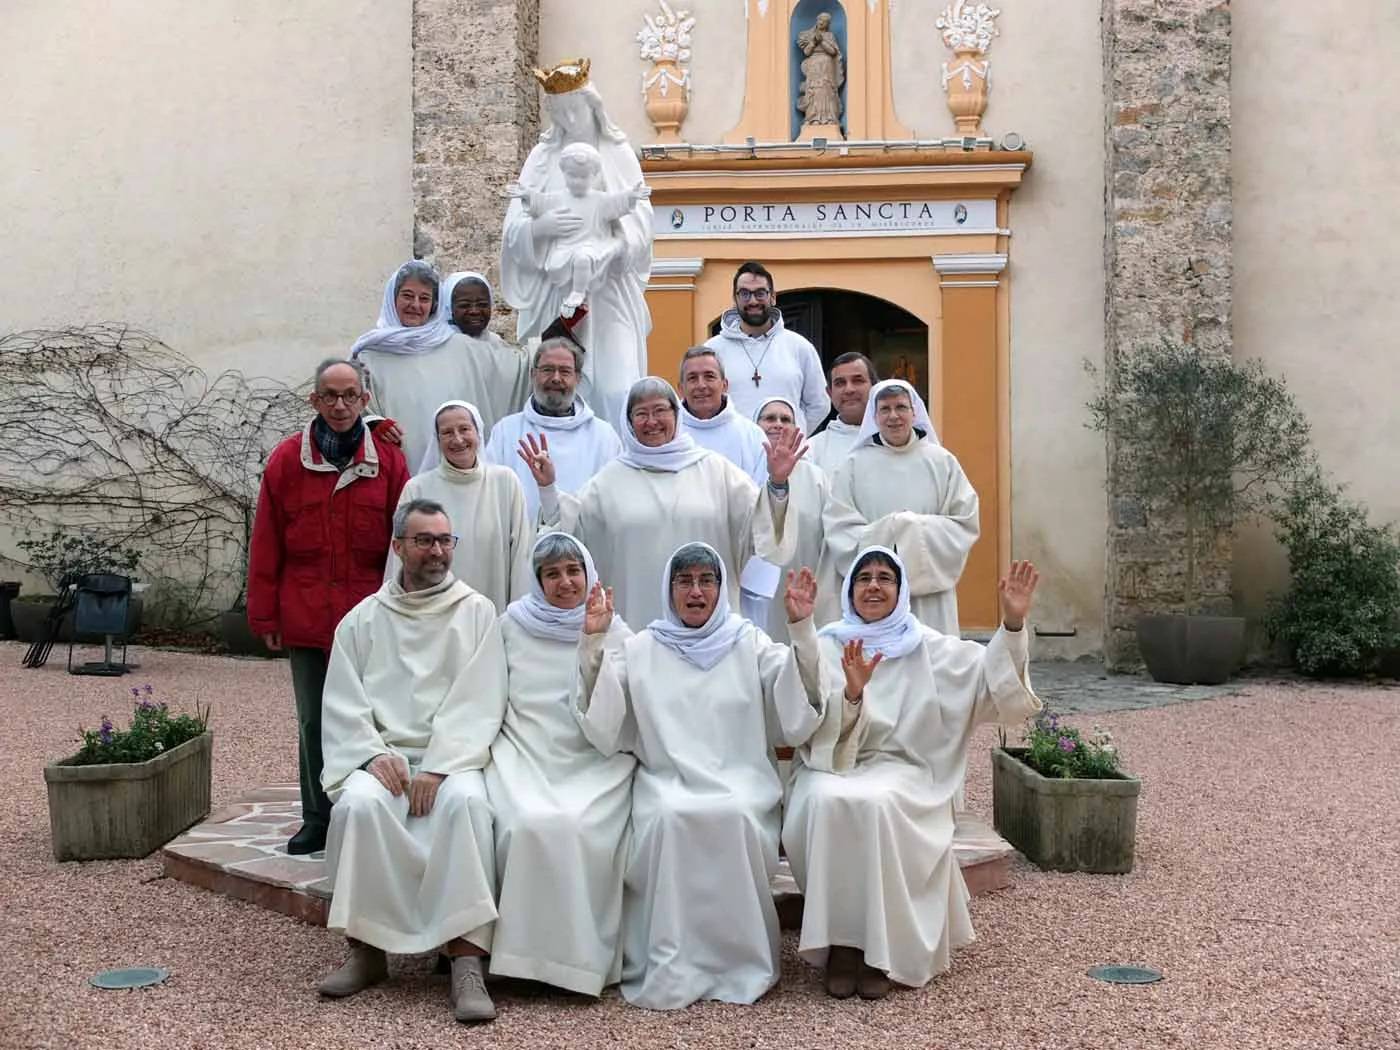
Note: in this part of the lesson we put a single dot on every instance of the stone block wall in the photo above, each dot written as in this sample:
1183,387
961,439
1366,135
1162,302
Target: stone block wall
1167,257
476,114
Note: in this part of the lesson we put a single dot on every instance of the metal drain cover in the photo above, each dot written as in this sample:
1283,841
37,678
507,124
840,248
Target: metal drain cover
135,977
1125,974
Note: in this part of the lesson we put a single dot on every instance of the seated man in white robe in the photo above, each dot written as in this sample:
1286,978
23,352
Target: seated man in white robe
562,809
868,826
849,383
578,441
414,695
900,488
701,697
710,417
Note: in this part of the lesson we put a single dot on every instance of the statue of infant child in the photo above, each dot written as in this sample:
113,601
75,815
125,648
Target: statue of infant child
580,259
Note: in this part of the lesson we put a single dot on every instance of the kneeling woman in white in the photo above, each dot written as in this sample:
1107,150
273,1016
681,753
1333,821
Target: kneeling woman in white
701,697
869,821
561,807
485,502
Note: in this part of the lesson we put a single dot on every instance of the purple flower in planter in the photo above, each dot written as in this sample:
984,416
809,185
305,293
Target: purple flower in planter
1066,744
135,691
147,689
105,732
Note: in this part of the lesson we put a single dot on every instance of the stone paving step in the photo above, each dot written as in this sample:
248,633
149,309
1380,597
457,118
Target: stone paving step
241,851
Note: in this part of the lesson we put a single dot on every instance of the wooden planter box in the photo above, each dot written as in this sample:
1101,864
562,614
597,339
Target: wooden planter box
128,809
1064,825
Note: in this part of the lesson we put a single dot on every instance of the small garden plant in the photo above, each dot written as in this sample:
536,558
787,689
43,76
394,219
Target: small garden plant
153,731
62,556
1054,749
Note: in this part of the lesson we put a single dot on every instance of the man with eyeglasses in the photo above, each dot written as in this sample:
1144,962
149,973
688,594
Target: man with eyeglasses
415,694
320,538
579,443
765,359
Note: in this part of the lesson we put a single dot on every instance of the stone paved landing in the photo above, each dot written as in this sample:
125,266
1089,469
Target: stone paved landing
241,851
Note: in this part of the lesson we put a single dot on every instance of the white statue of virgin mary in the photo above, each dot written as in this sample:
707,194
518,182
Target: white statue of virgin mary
614,332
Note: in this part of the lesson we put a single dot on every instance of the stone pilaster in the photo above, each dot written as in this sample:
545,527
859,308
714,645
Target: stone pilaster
476,114
1167,255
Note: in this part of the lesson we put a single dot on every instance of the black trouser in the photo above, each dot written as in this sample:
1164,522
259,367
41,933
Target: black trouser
308,681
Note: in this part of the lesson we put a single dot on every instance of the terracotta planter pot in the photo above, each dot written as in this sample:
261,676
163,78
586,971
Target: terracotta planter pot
128,809
1064,825
1189,650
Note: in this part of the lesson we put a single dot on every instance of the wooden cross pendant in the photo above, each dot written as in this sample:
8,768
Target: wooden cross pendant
756,377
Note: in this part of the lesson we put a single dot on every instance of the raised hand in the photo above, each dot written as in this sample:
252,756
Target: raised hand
598,614
783,455
801,595
1017,590
857,668
534,450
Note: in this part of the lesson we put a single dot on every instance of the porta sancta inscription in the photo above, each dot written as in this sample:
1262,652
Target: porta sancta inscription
908,217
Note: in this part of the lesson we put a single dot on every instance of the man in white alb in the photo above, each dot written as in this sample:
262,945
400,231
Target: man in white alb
852,376
711,418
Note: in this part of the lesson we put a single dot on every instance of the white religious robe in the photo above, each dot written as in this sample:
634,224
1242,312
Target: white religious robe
633,520
732,436
917,501
868,824
806,503
482,370
562,813
579,450
698,920
486,506
829,448
422,676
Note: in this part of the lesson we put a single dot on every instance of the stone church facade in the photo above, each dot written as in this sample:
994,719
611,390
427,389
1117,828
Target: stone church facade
1134,169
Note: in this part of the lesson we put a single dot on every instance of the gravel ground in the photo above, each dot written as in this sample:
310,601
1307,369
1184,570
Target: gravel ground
1266,889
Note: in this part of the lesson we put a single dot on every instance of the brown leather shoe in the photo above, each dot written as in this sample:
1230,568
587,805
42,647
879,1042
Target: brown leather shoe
365,967
872,983
842,966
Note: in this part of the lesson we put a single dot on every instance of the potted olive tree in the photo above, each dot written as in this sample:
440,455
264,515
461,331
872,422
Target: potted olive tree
126,792
1202,442
1062,800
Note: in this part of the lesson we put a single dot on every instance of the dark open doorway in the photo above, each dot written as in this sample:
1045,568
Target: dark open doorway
837,321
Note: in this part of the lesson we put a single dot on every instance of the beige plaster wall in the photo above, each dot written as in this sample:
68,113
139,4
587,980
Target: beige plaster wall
1317,242
1047,85
233,175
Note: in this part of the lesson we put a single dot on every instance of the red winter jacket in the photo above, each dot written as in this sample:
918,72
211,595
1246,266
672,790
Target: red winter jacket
320,537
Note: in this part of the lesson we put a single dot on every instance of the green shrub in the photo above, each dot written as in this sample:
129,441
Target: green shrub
62,556
1343,602
154,731
1056,750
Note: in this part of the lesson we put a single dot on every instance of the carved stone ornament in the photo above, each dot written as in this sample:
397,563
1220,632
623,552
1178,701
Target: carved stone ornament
665,42
968,30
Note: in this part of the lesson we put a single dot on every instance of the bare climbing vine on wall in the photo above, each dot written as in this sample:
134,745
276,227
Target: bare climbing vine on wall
106,430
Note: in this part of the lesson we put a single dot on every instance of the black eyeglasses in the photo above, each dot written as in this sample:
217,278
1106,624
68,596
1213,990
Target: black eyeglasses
756,294
425,541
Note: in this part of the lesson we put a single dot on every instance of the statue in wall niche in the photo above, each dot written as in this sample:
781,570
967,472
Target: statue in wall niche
570,247
823,73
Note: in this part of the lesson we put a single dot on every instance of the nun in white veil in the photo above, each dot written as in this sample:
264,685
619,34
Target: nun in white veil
701,697
562,809
414,361
484,502
868,825
900,488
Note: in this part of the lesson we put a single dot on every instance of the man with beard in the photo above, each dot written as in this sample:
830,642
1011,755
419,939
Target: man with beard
852,376
579,443
765,358
415,695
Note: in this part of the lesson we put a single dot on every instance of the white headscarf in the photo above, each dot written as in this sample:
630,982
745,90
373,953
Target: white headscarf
534,613
677,454
450,282
898,634
391,337
433,457
796,416
869,428
702,646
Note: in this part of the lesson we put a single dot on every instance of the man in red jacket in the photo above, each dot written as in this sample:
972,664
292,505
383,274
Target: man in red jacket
320,540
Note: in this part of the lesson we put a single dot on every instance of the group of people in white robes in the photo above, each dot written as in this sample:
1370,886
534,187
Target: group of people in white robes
550,735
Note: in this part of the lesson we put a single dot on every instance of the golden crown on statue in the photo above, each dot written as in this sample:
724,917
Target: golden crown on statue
569,75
